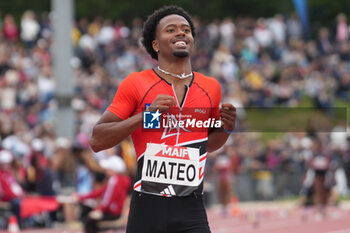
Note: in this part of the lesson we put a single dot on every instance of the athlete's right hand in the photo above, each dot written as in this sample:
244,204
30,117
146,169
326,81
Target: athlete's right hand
162,103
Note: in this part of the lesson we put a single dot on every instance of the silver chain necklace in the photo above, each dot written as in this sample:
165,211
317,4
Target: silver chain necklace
182,76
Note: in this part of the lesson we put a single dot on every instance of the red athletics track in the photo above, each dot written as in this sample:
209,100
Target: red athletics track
264,218
284,220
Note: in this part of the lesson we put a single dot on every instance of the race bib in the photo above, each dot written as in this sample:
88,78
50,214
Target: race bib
170,170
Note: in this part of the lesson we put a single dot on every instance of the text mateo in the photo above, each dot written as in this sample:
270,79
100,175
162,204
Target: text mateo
172,170
171,165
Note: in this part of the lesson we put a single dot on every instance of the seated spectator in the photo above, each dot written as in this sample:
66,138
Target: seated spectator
113,195
10,190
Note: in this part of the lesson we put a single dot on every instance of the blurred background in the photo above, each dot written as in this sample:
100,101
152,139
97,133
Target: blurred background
61,63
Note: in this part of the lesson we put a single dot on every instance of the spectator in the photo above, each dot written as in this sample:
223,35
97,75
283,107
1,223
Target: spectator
262,34
11,191
227,30
278,29
113,195
322,183
324,42
294,29
29,29
223,168
10,29
342,31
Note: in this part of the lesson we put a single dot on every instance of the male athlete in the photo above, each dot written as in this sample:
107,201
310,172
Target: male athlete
167,194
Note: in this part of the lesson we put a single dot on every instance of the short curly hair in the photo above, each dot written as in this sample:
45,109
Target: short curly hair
149,27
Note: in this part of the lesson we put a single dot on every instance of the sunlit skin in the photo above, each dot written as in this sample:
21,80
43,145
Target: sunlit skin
174,44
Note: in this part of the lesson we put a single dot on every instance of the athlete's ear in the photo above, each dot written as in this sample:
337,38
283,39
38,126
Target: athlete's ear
155,46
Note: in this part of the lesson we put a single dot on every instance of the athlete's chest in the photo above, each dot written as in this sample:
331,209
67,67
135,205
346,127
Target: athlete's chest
191,96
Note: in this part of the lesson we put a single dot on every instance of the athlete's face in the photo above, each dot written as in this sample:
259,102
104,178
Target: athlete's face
173,37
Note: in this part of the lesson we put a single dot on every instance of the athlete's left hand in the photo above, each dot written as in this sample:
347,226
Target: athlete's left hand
228,116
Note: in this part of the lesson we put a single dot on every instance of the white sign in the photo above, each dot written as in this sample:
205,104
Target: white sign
171,165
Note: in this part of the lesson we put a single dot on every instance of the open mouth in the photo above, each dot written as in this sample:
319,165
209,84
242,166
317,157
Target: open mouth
180,44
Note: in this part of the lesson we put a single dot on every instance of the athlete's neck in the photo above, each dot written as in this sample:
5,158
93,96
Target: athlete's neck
179,67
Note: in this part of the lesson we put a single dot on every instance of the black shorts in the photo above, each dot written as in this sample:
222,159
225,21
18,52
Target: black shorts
157,214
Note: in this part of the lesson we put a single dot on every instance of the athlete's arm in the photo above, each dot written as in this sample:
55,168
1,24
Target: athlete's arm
110,130
218,137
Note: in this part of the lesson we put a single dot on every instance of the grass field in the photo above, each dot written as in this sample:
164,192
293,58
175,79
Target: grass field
275,122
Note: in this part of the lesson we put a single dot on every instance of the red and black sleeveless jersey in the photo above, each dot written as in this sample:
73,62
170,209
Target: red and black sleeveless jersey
139,89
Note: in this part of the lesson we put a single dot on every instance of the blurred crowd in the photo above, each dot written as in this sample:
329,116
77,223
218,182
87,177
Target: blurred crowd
262,62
